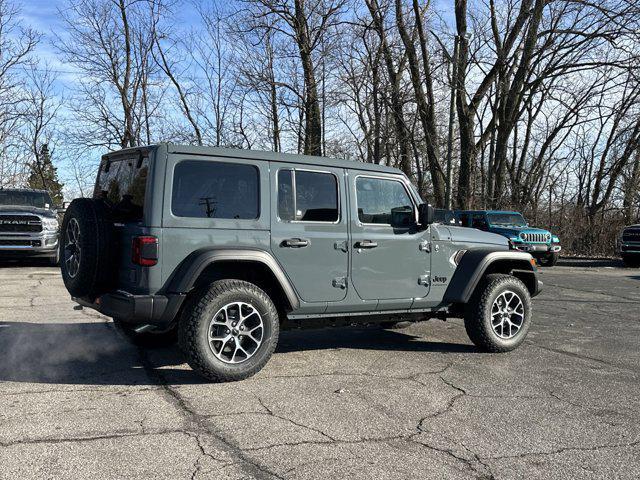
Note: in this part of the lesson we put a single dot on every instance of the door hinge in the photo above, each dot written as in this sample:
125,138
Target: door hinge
424,280
425,246
343,246
339,282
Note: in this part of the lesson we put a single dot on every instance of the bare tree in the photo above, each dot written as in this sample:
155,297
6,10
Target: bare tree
110,43
305,22
17,44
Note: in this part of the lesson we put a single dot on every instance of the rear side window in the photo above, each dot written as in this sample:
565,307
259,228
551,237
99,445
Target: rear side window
123,183
379,199
307,196
204,189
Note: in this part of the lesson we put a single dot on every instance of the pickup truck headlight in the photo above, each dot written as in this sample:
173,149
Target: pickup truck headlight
50,224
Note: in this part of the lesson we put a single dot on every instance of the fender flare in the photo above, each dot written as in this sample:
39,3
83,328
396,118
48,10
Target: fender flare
475,263
187,272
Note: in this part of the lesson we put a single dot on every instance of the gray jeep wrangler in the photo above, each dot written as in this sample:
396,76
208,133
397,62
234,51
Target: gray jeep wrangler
222,246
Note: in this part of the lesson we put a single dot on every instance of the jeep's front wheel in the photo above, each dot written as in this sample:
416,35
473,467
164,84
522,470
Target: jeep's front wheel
498,315
229,331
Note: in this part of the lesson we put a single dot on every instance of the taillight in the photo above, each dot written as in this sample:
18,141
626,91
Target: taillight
144,250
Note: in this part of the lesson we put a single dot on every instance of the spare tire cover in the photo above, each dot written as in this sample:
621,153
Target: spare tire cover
87,248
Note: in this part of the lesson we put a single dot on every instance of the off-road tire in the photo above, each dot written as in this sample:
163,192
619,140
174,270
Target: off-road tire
631,261
548,260
146,339
197,315
96,271
477,318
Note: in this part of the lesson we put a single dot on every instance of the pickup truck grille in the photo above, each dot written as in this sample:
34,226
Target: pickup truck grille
631,235
20,223
535,237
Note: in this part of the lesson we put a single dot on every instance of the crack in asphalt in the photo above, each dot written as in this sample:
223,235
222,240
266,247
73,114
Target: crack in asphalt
485,471
104,389
593,448
197,467
307,427
197,423
581,356
92,438
413,377
328,442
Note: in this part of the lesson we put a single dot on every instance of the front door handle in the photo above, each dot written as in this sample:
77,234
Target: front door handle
295,242
366,244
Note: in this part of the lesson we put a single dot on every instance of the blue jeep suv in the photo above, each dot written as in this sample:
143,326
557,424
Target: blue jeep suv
541,244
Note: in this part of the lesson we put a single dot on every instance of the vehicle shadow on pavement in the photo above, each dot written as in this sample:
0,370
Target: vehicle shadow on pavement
92,353
364,338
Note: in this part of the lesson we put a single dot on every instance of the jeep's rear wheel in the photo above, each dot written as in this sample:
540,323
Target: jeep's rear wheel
548,259
229,331
498,316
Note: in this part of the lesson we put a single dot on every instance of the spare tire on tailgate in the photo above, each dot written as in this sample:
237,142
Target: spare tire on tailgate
87,248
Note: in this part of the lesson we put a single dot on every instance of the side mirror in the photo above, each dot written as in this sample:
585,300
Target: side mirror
403,217
426,214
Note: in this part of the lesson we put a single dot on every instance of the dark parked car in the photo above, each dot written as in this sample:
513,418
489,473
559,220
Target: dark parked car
629,245
223,245
28,224
542,244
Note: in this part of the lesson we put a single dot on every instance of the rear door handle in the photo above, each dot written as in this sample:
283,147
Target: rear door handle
295,242
366,244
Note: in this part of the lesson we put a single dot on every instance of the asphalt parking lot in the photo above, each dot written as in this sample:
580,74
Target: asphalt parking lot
80,401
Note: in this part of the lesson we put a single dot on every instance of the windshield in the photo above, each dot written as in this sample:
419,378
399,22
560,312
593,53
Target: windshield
25,198
511,219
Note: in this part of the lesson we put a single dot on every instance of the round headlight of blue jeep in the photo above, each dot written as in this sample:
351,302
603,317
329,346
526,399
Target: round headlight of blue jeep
523,236
50,224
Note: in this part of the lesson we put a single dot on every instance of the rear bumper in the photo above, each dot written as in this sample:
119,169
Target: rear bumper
157,310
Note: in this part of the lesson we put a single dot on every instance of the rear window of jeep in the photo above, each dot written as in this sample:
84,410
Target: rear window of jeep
204,189
123,184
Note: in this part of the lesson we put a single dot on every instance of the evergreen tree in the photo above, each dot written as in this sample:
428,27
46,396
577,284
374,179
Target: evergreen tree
44,176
